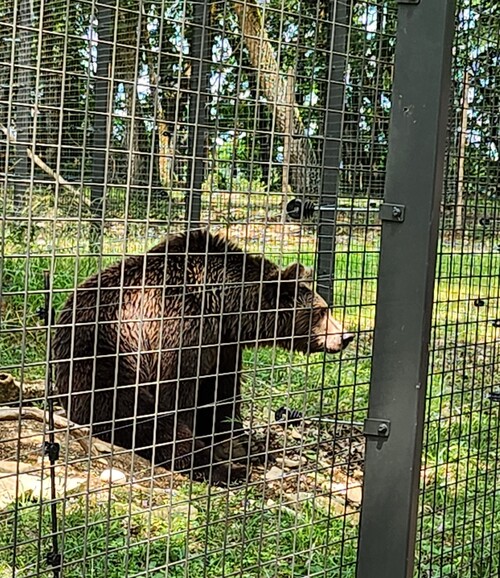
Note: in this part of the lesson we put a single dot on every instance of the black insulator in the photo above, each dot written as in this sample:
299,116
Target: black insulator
51,449
479,302
54,559
290,416
484,221
496,323
297,209
494,396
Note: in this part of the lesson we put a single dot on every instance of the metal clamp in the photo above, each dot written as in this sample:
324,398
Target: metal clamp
54,559
380,428
51,449
392,212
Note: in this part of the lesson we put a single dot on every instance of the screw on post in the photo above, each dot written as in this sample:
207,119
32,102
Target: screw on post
396,212
51,447
383,429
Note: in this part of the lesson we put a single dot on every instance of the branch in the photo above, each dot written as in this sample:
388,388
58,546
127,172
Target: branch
56,176
96,448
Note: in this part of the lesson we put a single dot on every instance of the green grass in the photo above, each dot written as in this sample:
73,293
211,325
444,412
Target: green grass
105,538
460,521
459,533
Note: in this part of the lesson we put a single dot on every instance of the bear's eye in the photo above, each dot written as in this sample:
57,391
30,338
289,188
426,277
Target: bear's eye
304,299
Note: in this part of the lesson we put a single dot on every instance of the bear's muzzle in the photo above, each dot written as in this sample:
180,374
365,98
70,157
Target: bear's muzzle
331,336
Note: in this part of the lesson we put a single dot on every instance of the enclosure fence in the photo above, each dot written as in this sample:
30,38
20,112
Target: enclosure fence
249,288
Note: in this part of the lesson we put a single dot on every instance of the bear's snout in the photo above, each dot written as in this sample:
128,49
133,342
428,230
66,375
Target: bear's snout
346,339
331,335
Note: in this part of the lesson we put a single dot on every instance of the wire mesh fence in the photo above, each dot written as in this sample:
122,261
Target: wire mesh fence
458,525
175,161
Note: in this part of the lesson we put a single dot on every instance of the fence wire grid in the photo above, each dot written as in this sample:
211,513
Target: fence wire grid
212,173
458,524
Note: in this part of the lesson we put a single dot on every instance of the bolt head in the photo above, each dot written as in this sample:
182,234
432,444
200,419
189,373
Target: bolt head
383,429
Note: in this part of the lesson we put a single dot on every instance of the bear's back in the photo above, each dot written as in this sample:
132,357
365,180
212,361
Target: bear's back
178,267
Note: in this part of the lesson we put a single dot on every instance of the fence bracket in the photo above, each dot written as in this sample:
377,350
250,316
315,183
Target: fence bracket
380,428
392,212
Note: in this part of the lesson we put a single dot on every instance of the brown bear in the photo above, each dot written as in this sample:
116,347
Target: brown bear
148,351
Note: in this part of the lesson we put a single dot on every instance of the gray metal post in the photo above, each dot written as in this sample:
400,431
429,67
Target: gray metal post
23,40
201,53
410,217
331,150
105,30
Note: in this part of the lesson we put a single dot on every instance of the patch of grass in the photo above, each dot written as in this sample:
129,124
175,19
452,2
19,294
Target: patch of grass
316,386
460,520
22,336
459,535
224,535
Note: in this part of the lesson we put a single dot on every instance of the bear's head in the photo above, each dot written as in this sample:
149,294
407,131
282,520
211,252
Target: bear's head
295,317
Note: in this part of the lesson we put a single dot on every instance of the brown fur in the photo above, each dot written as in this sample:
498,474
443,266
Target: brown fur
156,339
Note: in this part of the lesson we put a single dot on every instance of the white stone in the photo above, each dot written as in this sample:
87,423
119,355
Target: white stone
274,473
289,463
113,476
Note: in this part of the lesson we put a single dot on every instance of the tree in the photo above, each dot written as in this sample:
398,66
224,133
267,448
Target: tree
23,99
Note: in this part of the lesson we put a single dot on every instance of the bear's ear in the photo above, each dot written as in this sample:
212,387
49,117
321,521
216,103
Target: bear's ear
297,272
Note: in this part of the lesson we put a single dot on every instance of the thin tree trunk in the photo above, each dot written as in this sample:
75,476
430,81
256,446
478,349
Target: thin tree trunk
133,33
288,139
5,86
459,213
201,53
51,56
153,72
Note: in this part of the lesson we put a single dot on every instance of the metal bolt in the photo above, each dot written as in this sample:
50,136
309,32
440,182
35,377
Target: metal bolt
383,429
396,212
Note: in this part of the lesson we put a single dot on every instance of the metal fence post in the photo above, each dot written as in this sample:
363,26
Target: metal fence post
410,216
332,150
201,55
101,133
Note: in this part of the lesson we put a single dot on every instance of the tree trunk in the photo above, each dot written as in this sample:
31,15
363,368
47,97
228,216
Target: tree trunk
288,139
201,56
5,86
304,173
24,103
459,214
154,80
133,35
52,52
